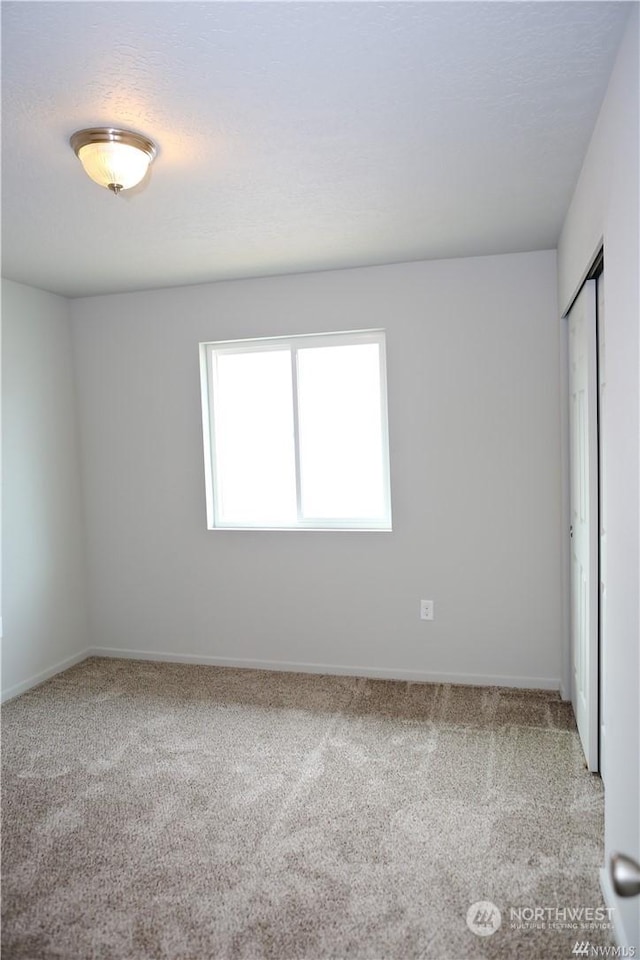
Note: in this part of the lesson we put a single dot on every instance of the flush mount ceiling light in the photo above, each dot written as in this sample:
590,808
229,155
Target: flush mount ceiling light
116,159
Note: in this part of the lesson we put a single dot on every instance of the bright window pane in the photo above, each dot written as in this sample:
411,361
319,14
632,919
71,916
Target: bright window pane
254,451
339,413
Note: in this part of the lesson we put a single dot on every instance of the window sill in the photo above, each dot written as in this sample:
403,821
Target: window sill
302,529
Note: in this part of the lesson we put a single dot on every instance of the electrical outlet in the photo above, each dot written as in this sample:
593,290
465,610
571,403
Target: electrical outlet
426,609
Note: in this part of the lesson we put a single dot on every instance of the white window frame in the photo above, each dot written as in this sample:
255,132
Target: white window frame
208,352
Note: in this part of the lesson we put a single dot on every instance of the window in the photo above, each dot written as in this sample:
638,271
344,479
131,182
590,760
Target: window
295,432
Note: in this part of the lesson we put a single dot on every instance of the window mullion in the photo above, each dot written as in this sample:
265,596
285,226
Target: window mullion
296,429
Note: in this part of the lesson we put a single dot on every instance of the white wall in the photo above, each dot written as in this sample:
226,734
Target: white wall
44,590
473,374
605,205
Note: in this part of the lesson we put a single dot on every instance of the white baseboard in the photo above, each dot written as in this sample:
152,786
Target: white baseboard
39,678
609,896
381,673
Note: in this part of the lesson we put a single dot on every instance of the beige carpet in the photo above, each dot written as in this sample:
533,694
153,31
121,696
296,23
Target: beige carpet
156,811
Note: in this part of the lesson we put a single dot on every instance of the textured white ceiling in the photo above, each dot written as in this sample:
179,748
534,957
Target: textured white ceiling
294,136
